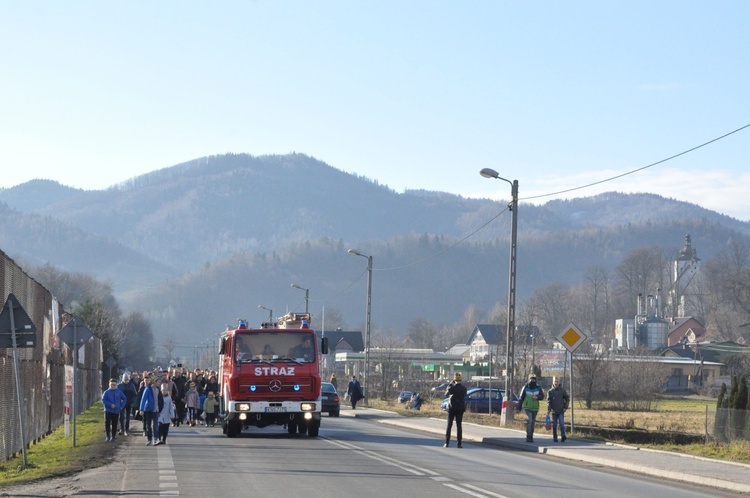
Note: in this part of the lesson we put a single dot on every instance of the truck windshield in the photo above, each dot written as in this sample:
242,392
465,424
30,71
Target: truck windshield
259,346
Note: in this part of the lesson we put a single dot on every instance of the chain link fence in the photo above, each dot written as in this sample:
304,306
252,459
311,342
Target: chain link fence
42,369
728,425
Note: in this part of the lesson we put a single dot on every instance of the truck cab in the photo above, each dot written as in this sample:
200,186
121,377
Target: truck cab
270,375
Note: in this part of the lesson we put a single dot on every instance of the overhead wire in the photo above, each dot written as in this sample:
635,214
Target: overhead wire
638,169
569,190
463,239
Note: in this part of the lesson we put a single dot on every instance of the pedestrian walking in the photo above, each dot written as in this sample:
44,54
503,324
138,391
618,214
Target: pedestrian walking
166,414
531,395
130,392
149,409
557,404
456,408
114,401
354,392
192,403
210,407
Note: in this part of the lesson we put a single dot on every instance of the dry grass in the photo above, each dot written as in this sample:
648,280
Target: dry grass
688,416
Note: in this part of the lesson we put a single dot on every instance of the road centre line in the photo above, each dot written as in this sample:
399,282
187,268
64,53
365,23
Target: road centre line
465,491
419,471
390,461
486,493
167,474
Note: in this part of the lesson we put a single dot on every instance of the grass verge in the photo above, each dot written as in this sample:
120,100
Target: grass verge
54,456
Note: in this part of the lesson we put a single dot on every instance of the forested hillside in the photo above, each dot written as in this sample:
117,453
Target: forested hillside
198,245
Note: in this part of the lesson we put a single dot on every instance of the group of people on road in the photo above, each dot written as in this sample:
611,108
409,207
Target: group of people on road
171,397
531,394
160,399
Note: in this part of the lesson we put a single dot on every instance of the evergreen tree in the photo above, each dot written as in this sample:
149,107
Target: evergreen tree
720,421
741,406
732,422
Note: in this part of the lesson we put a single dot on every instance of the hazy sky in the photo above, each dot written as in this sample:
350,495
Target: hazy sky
413,94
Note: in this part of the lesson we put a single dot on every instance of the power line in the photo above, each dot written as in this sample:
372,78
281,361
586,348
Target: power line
638,169
414,263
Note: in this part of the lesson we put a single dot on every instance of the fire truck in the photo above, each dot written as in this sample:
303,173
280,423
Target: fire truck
270,376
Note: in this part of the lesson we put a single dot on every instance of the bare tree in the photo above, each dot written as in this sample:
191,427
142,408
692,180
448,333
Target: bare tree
550,307
636,381
385,364
641,272
334,320
728,289
422,333
137,346
591,374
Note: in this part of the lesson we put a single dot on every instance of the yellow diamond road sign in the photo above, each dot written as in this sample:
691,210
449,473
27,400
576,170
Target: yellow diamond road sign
571,337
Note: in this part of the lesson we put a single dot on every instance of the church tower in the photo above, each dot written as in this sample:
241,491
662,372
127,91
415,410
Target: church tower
685,268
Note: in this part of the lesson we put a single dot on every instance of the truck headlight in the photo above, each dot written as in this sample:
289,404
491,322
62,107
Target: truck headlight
308,407
243,407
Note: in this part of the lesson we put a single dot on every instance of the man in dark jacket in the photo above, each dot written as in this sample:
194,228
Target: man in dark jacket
180,381
130,392
456,408
557,403
355,392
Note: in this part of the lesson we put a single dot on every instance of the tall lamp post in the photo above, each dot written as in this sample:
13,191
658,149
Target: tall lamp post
508,415
367,322
307,295
270,312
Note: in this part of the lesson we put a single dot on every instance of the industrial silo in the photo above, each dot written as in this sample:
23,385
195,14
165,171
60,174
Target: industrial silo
654,333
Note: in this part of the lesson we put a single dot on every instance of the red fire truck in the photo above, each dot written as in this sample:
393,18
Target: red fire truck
270,375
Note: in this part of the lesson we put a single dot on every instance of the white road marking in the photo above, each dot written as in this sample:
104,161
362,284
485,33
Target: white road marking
419,471
167,475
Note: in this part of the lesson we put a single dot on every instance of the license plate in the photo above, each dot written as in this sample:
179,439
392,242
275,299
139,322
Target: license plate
275,409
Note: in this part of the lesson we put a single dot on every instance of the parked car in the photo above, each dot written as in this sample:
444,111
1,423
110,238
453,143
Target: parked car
440,389
331,401
478,400
404,396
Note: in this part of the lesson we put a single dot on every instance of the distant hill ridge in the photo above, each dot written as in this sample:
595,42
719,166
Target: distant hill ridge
264,222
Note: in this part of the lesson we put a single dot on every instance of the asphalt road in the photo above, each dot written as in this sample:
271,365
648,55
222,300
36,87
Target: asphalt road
351,456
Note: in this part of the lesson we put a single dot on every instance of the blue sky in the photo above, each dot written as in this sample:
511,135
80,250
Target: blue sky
415,95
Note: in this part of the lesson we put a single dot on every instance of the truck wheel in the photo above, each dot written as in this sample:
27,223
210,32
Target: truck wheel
302,429
291,428
333,414
233,429
313,430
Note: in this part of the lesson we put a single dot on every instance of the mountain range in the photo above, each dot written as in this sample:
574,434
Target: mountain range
197,245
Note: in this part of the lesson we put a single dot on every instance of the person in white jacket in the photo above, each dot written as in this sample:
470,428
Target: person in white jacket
166,415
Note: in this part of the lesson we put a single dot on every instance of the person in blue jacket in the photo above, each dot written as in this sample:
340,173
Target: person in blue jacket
114,401
150,409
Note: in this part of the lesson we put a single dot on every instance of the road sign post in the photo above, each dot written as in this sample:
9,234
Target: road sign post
12,316
74,334
571,337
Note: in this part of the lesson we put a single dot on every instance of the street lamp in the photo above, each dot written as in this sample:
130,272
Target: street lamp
307,295
507,415
270,312
367,322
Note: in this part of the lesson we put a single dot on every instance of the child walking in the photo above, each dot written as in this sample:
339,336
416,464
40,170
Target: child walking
166,415
114,401
192,402
209,408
